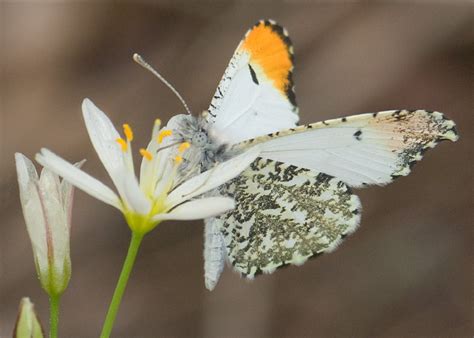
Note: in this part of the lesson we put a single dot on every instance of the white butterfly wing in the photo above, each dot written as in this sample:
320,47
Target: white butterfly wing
361,149
255,96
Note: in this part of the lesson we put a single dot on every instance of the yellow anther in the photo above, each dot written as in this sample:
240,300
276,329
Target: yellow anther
123,143
158,122
163,134
128,132
146,154
183,146
178,159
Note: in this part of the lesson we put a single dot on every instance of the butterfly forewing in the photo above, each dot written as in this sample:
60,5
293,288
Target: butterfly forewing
255,95
361,149
284,215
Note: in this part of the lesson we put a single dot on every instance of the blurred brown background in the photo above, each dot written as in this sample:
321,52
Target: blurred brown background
405,272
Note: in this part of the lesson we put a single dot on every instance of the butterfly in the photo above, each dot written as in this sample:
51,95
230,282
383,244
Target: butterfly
295,200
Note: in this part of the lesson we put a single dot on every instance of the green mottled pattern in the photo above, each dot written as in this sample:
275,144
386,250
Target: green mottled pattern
284,215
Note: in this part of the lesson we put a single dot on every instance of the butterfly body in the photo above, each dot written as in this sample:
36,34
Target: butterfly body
294,201
205,148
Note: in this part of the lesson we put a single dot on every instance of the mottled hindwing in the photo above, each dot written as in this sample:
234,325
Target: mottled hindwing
284,215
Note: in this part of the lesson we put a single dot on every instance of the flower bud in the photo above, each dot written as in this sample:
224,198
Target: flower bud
27,323
47,204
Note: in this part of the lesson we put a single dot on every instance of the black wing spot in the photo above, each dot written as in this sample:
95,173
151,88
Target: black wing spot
357,135
254,76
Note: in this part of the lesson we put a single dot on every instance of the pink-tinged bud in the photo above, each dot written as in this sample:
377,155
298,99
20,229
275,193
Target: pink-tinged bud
47,205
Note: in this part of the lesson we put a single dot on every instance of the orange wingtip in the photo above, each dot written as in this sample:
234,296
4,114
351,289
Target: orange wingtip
270,48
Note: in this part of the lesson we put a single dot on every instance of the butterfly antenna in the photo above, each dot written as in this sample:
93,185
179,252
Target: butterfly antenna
138,59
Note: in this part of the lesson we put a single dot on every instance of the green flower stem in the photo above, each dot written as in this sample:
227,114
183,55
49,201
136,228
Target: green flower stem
53,315
121,284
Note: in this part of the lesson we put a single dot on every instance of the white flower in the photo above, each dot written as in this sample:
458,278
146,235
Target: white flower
47,205
160,194
27,323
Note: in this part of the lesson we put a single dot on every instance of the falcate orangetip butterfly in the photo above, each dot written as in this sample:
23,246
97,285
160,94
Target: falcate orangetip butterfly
295,200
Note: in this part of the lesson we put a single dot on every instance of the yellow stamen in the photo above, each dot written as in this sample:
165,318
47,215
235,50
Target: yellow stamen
123,144
178,159
157,122
183,146
146,154
128,132
163,134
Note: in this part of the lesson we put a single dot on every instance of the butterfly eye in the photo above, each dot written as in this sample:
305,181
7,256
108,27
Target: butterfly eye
199,139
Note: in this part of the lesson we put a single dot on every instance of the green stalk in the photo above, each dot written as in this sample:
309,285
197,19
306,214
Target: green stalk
121,284
53,315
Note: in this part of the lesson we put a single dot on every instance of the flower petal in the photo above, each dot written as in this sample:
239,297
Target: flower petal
33,210
104,137
134,197
50,184
213,178
165,174
77,177
178,122
26,171
197,209
57,229
67,190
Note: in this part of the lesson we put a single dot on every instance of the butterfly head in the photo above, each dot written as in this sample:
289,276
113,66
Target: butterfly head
199,139
205,150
